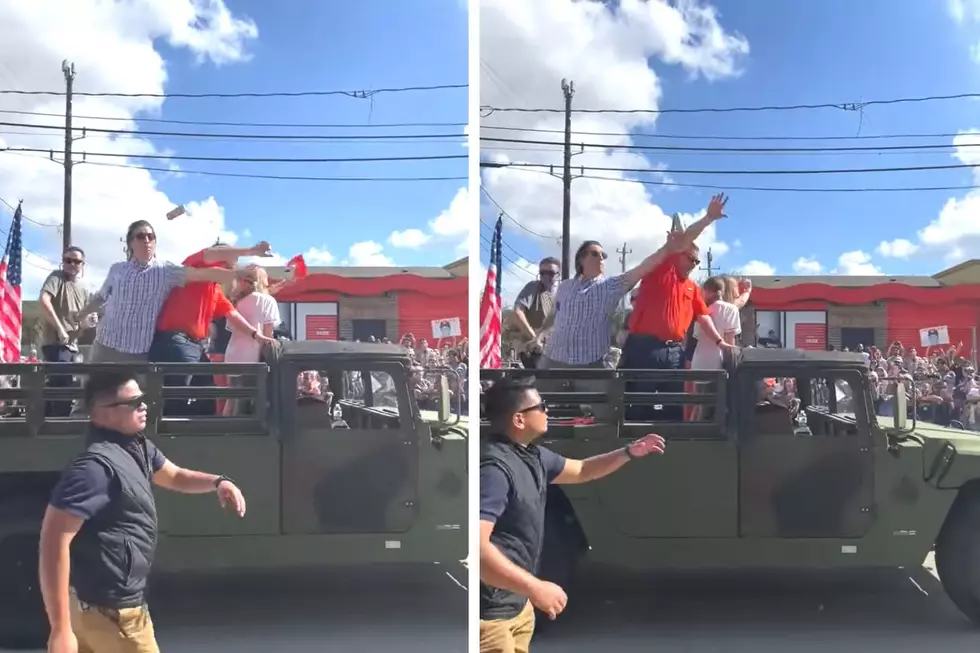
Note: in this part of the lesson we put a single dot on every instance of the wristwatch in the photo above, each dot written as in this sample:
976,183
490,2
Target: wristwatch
221,479
255,333
629,454
719,341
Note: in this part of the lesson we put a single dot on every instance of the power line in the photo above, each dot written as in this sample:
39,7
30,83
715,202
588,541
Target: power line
842,106
188,157
358,94
318,137
508,259
214,173
952,166
740,150
508,216
673,184
508,245
24,217
702,137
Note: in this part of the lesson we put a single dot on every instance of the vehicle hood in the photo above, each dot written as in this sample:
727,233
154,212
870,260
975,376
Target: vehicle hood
461,430
950,457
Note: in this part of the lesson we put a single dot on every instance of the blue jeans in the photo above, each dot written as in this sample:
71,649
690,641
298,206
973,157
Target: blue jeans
643,352
175,347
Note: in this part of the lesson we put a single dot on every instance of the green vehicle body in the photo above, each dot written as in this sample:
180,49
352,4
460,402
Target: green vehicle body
391,488
855,491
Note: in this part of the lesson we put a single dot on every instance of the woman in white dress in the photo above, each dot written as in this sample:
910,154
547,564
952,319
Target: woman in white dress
260,310
725,316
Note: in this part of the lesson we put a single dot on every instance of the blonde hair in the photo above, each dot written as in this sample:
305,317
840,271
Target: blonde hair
731,292
259,278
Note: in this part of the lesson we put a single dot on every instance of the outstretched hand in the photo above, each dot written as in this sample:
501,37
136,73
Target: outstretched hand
648,444
716,207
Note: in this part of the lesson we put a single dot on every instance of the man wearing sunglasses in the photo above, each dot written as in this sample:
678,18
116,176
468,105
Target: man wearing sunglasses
63,299
535,304
99,531
514,478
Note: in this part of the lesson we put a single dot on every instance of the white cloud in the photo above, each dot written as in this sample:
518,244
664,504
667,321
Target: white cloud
898,248
856,263
531,46
112,46
457,219
957,10
367,253
516,274
409,238
757,269
804,265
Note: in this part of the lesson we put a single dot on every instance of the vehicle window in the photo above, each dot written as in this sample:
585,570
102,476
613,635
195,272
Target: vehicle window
372,399
815,406
778,407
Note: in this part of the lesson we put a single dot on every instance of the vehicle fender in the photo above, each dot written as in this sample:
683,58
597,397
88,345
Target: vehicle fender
562,522
948,464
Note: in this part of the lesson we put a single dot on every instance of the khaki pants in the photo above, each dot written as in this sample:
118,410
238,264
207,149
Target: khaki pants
104,630
508,635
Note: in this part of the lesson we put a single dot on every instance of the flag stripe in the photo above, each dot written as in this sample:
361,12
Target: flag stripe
490,310
11,307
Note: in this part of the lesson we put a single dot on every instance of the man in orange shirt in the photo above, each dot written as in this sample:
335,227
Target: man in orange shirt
189,310
667,303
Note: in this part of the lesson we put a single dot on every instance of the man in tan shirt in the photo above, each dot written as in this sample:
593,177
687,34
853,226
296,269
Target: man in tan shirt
534,304
62,299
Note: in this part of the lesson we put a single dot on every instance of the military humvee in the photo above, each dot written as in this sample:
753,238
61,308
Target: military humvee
772,475
365,478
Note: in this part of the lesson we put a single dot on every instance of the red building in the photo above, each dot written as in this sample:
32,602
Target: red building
814,312
361,302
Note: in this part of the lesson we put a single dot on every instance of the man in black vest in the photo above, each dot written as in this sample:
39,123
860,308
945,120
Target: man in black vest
514,478
100,529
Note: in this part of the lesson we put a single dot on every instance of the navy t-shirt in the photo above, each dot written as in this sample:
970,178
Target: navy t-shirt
495,486
86,486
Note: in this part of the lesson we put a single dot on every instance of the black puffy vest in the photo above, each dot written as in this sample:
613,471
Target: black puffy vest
112,554
519,531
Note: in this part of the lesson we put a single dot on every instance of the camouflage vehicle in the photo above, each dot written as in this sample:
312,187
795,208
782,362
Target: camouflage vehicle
787,467
358,478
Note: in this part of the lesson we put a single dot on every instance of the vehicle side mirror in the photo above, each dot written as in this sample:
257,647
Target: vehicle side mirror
445,399
900,406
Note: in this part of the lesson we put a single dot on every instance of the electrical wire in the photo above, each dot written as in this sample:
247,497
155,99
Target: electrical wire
187,157
952,166
358,94
24,217
323,137
506,244
508,216
842,106
213,123
508,259
702,137
215,173
740,150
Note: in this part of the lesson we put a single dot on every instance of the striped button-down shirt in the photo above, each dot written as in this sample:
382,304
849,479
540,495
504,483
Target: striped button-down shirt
583,326
134,294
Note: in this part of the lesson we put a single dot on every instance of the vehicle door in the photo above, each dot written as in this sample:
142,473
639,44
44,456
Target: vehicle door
350,455
806,462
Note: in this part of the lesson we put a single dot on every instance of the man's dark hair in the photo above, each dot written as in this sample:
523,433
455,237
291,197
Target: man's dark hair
580,253
550,260
75,248
503,398
105,384
934,332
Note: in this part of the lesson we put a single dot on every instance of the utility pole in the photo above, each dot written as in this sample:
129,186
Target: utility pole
69,70
708,260
568,89
622,256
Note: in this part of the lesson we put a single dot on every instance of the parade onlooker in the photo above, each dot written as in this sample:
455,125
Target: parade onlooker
99,532
668,302
535,303
514,475
63,298
261,311
133,294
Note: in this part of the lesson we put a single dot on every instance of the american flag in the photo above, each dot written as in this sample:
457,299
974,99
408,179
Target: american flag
11,313
490,326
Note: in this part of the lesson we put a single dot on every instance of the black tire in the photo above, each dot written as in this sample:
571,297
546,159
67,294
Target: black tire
23,623
958,554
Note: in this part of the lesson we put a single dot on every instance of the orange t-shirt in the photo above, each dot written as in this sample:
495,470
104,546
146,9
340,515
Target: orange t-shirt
666,304
191,308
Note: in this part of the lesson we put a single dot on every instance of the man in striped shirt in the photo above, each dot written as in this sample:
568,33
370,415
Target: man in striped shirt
133,294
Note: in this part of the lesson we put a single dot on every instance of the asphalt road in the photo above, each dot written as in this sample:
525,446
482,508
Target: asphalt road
893,611
416,612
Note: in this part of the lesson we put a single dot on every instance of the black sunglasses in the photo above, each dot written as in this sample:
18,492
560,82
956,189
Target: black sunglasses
594,254
547,273
145,236
542,406
72,261
135,403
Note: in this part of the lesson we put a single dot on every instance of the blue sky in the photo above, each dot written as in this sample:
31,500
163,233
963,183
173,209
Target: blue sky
804,52
310,45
